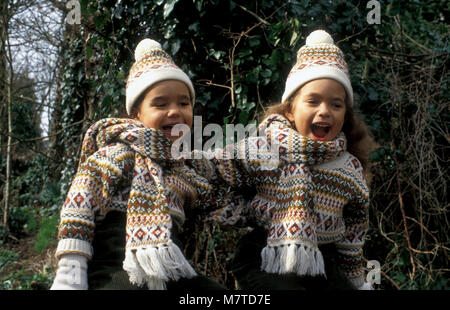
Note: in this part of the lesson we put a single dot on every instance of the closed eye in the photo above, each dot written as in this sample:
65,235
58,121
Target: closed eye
158,104
337,104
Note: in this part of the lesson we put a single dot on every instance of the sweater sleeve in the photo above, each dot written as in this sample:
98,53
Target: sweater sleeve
232,176
241,165
89,196
356,219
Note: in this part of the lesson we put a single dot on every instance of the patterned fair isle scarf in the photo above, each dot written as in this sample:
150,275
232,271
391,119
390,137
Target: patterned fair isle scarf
291,221
151,256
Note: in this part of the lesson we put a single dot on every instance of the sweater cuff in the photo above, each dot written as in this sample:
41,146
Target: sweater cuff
74,246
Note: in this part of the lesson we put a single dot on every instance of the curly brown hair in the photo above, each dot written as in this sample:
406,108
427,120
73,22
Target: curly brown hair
359,139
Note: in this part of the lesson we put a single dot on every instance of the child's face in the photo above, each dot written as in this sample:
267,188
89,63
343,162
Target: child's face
318,109
166,104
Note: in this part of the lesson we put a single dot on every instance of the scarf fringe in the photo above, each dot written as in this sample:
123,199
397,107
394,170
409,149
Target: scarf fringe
296,258
155,265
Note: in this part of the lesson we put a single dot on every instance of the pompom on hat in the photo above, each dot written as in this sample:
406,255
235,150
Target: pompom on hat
152,65
319,58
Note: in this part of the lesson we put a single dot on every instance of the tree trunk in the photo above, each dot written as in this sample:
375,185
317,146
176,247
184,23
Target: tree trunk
8,151
6,82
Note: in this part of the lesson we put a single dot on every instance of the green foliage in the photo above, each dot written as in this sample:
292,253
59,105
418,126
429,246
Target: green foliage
6,258
210,249
20,280
238,55
22,219
47,233
50,196
31,189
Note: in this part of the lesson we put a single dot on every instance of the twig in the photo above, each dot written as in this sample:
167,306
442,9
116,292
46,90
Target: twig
48,136
196,253
233,49
254,15
12,237
259,102
405,226
423,226
353,35
207,251
210,83
390,279
397,21
399,188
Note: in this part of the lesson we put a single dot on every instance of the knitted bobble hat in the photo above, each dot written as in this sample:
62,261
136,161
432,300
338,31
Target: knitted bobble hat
152,65
319,58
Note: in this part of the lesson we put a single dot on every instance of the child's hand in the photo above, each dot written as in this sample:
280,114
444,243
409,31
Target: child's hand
71,273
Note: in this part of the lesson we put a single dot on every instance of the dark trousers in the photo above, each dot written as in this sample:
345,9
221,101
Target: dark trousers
105,270
246,267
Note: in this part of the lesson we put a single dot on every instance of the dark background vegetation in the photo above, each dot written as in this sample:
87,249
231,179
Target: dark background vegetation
238,54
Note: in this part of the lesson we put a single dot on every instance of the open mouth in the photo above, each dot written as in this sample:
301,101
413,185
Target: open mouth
167,127
320,131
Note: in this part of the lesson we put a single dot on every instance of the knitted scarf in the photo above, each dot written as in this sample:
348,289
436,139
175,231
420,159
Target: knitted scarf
292,239
151,256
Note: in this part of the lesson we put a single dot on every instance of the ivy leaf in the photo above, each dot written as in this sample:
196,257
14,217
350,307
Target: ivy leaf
168,7
276,57
373,95
293,38
266,73
80,75
176,47
254,42
99,22
243,117
277,41
249,106
238,89
194,27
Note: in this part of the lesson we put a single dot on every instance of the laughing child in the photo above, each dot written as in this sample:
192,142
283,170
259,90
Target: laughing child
127,203
311,206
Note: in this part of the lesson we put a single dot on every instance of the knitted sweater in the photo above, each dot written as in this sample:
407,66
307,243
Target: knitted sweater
307,193
127,167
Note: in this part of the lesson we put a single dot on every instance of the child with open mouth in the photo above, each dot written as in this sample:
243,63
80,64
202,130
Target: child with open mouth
122,217
310,211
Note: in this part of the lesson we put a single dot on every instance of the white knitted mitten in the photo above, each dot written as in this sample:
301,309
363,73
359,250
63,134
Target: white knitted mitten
366,287
71,273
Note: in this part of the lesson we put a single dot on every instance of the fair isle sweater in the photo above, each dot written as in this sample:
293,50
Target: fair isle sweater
314,193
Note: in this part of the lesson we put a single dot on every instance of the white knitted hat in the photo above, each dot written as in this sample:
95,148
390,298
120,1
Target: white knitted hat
318,58
152,65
